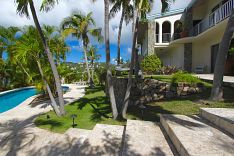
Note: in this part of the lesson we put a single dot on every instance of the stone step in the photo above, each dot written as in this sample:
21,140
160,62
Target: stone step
77,136
221,117
144,138
103,140
192,136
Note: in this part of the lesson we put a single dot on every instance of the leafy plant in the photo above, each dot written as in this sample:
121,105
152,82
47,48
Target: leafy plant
231,51
151,64
181,76
168,70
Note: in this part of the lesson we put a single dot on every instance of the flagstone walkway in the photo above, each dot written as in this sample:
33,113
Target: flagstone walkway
19,136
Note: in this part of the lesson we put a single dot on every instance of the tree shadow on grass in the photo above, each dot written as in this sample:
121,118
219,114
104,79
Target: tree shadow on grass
94,90
53,123
100,105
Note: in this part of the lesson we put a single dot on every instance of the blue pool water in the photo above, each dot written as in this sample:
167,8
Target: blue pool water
14,98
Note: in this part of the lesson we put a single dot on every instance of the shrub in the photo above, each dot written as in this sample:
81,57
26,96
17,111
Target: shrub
168,70
151,64
184,77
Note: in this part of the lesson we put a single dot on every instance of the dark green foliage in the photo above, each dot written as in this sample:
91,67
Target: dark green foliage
151,64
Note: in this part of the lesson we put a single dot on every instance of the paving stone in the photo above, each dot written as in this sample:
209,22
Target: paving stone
193,137
145,138
105,140
221,117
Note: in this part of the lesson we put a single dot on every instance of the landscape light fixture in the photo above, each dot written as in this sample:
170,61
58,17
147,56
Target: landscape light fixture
73,116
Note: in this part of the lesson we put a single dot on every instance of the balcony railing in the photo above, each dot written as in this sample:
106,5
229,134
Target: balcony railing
219,15
166,37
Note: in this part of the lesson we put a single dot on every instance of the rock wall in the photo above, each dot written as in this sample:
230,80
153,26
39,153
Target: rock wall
150,90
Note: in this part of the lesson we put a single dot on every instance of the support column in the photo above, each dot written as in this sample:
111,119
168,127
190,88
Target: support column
188,52
160,32
151,37
172,30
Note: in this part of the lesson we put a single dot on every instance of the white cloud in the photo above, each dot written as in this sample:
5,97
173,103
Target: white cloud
9,16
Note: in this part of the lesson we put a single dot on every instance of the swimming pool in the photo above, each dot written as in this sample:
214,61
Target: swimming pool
11,99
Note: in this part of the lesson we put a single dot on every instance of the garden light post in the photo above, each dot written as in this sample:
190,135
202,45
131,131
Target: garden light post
142,108
73,116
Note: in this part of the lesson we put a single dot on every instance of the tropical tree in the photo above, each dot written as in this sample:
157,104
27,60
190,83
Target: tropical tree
126,15
217,90
29,47
92,57
79,26
142,7
22,9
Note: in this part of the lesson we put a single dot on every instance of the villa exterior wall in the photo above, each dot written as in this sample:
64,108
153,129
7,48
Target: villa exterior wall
173,56
194,50
202,51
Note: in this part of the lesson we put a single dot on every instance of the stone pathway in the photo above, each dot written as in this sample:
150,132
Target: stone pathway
104,140
209,77
145,138
19,136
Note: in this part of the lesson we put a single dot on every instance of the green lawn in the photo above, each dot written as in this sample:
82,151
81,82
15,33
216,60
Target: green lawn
94,108
91,109
164,78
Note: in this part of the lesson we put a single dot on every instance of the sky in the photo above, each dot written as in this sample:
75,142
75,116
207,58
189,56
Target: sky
9,17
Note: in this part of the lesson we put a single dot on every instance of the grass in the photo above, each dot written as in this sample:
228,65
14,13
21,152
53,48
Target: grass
163,78
95,108
169,79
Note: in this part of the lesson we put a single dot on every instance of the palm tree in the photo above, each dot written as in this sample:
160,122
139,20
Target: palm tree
79,26
22,9
142,7
217,90
27,48
126,15
92,57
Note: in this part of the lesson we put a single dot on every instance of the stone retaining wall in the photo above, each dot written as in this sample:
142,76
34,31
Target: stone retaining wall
150,90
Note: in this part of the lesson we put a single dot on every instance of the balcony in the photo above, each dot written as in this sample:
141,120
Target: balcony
213,19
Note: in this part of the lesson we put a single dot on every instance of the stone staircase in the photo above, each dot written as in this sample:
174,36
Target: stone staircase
197,135
210,134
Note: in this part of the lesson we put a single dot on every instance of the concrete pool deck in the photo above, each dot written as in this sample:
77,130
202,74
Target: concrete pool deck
18,134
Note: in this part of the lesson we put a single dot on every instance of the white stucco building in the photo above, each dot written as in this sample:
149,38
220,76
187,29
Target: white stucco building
188,38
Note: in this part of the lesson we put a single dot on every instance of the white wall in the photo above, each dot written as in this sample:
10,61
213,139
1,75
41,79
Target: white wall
173,56
145,44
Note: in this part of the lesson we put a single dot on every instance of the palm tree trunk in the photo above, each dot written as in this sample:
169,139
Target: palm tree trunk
92,63
109,74
50,58
119,36
53,102
217,90
129,85
90,80
23,69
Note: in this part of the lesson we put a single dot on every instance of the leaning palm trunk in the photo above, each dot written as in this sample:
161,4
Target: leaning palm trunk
129,85
50,58
53,102
92,74
90,80
109,74
217,90
119,36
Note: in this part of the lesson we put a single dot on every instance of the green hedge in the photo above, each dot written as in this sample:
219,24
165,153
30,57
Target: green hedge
185,77
151,64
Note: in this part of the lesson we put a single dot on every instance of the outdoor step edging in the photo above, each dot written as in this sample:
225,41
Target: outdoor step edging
177,144
221,122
